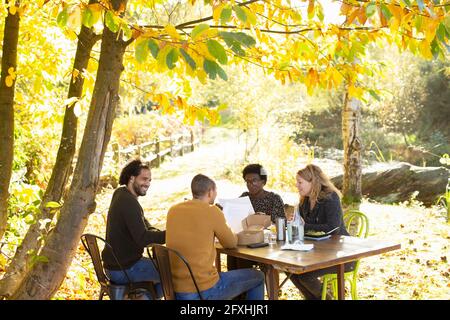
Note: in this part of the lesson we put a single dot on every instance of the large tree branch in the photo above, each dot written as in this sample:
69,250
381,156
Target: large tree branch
185,24
269,30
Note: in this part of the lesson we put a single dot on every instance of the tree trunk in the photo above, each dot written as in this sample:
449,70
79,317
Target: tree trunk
19,265
45,278
351,120
9,60
400,183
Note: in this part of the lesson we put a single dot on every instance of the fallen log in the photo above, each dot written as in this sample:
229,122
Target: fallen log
400,182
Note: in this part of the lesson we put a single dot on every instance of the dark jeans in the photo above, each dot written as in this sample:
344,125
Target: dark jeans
143,270
309,284
234,263
232,284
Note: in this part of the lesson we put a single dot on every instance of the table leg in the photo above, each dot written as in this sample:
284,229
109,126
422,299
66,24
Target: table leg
272,278
341,282
218,261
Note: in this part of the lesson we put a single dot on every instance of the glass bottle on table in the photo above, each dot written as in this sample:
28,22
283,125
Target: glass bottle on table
272,235
289,231
280,223
298,226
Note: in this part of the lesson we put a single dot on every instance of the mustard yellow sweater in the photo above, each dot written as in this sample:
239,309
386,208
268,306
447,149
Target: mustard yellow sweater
190,229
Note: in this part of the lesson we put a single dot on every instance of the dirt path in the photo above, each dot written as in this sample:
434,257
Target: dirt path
171,182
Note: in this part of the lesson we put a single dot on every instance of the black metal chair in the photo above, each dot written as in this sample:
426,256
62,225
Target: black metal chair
161,255
114,291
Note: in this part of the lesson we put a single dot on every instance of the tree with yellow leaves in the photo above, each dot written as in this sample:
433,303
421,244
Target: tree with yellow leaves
7,84
32,241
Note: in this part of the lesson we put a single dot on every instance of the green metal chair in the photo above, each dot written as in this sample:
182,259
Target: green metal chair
357,225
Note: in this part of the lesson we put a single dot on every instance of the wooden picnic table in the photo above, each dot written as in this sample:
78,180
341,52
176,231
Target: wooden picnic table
335,251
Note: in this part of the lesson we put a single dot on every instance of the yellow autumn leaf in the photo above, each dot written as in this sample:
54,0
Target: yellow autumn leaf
394,24
430,30
313,77
213,117
217,11
425,50
336,77
74,19
172,32
412,45
211,33
189,71
345,9
70,34
164,102
2,262
9,81
201,48
310,90
75,74
55,11
407,17
21,10
161,58
11,72
396,11
283,78
201,76
179,102
27,194
362,17
95,7
97,10
12,10
258,34
352,16
197,57
251,17
355,92
310,7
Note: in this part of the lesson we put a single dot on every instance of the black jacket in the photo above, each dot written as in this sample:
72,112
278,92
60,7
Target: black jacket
325,216
127,231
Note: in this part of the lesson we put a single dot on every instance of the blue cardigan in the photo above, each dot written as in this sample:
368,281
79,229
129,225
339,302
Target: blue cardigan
325,216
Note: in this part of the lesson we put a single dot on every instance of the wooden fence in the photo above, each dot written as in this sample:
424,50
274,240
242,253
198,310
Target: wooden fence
155,151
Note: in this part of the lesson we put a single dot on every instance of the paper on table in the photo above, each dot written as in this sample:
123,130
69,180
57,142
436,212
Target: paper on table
297,246
236,210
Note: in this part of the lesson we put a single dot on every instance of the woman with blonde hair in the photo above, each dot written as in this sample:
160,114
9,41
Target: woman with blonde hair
320,208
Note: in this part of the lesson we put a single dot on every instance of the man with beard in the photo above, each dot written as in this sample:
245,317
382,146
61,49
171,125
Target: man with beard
127,230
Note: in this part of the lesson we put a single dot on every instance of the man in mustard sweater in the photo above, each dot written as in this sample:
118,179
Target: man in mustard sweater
191,228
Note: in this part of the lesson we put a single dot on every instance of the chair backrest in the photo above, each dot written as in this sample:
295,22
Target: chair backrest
161,253
90,243
357,223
